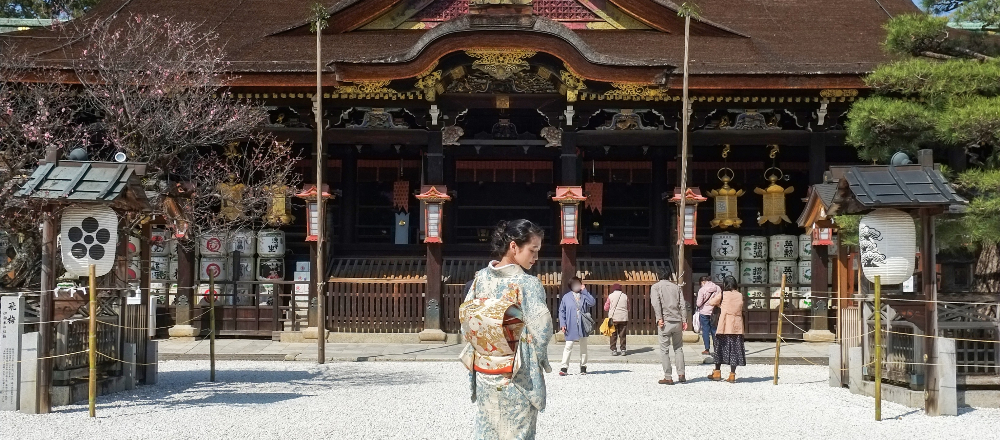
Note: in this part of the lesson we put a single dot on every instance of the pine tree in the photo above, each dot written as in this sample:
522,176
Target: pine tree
943,93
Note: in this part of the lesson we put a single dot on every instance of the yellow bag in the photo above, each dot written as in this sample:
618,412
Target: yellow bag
607,327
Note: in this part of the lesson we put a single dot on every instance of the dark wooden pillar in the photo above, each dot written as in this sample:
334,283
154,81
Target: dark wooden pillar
46,314
185,285
349,200
820,287
434,175
817,157
928,281
569,176
660,209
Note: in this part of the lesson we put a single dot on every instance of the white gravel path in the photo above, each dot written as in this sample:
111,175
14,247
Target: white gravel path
416,400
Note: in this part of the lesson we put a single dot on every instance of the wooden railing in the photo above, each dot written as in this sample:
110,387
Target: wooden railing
376,306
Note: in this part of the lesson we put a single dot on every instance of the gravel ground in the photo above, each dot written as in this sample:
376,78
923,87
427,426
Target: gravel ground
409,400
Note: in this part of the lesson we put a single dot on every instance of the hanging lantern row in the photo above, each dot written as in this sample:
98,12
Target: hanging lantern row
692,197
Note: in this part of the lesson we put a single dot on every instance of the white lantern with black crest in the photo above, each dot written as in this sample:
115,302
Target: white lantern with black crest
89,235
888,242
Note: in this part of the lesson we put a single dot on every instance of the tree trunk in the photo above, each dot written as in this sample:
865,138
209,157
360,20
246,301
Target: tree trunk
987,273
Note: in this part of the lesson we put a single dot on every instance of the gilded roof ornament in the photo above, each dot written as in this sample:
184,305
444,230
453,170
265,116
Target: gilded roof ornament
501,64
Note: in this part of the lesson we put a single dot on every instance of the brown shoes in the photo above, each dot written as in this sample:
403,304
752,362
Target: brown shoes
716,375
665,382
681,379
732,378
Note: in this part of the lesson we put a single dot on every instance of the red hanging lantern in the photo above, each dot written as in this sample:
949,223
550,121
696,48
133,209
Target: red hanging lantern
312,209
433,198
822,233
692,197
569,198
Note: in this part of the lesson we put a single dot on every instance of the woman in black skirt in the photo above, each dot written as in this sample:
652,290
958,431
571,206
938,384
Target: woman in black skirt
729,348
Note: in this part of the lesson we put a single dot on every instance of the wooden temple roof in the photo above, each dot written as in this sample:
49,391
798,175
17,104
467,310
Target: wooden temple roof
755,44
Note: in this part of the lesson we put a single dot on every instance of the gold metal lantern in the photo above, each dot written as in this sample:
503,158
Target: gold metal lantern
231,193
726,213
774,198
279,208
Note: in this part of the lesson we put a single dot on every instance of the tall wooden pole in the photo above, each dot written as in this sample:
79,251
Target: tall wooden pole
211,325
46,314
92,342
781,317
684,154
878,348
320,208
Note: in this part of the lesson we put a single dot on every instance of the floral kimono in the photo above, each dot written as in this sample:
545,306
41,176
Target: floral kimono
510,392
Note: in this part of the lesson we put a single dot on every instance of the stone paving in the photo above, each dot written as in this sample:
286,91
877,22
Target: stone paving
249,349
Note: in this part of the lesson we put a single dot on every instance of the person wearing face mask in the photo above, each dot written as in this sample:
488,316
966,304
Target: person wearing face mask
576,322
507,353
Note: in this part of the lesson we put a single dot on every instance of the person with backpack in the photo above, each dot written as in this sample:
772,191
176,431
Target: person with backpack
707,291
617,307
576,322
508,327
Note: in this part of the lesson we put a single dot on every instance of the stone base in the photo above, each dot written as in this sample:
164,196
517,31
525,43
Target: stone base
182,332
432,336
313,333
819,336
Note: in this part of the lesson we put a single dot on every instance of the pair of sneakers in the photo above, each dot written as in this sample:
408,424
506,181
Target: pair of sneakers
618,353
564,371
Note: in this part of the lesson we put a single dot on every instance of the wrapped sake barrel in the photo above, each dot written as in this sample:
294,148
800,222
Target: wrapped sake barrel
133,245
725,246
220,294
805,271
271,243
214,266
754,248
756,299
776,298
804,298
723,268
246,270
243,241
805,246
159,268
789,268
784,247
134,268
244,296
269,269
159,243
753,272
212,244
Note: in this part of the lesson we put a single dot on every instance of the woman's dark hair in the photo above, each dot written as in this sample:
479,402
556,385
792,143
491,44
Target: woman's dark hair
704,278
569,285
729,283
519,231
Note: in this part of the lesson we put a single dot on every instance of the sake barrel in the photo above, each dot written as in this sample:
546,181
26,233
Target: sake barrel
804,298
246,270
271,243
244,241
215,266
725,246
786,267
805,246
172,269
158,243
805,272
219,294
244,296
723,268
212,244
134,268
269,269
133,245
784,247
754,248
776,297
753,272
757,299
159,268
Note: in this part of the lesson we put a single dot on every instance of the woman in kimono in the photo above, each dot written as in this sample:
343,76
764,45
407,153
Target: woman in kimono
508,400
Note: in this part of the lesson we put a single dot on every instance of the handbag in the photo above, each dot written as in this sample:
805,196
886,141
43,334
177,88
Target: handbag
588,323
717,311
608,326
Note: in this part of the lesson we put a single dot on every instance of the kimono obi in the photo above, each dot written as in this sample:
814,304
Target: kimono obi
492,327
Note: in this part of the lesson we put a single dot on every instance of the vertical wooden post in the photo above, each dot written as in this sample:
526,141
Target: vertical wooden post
211,325
878,348
92,342
568,264
320,280
781,318
821,286
432,308
685,121
928,281
46,314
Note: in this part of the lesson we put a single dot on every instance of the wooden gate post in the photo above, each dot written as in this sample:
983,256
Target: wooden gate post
46,314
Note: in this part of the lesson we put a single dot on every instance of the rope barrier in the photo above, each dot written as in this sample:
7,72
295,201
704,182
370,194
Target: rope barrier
47,357
148,328
995,341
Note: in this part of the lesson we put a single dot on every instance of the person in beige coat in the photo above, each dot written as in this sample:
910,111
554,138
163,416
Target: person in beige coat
729,345
617,307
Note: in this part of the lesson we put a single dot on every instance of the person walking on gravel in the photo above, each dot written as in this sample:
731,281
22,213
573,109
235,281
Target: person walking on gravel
707,291
508,327
576,322
617,307
729,349
669,308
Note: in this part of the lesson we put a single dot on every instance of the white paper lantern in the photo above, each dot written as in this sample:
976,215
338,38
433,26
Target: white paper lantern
89,235
888,242
725,246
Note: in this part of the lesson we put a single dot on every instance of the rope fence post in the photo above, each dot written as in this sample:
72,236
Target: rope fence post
92,342
211,325
781,317
878,348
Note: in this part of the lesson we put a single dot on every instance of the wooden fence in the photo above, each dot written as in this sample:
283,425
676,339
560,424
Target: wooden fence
376,306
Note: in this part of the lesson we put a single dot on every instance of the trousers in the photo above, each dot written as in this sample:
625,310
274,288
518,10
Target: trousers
621,331
672,340
569,351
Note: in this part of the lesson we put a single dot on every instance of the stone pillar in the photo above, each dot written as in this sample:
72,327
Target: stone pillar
29,373
152,358
947,377
11,320
185,293
836,372
855,374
